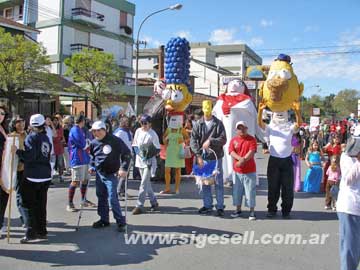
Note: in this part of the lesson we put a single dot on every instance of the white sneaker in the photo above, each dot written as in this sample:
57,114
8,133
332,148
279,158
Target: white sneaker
252,216
327,207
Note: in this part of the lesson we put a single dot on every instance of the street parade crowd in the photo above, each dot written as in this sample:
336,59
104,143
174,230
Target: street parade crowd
216,145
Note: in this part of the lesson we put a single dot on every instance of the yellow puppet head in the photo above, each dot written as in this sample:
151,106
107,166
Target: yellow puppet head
207,108
177,97
281,88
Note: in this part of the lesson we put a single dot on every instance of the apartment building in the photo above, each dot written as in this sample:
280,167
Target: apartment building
68,26
211,65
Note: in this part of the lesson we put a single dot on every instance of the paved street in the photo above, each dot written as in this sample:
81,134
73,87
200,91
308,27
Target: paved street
104,249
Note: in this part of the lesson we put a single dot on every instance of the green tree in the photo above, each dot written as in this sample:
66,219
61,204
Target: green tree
345,102
23,64
95,72
328,105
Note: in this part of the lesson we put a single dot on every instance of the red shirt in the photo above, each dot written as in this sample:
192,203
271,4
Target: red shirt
334,150
58,142
241,146
332,128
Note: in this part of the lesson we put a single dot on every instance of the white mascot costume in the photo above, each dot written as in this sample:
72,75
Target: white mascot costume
231,107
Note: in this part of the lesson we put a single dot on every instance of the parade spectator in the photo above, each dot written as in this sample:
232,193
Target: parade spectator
147,147
134,125
109,156
67,125
17,128
37,177
79,162
313,176
189,155
295,155
198,114
333,148
51,133
348,207
58,142
333,173
123,132
4,197
209,132
242,148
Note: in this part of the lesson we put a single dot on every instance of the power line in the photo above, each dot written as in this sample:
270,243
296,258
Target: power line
316,53
310,47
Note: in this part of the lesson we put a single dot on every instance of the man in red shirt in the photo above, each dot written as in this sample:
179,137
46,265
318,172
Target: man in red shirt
242,148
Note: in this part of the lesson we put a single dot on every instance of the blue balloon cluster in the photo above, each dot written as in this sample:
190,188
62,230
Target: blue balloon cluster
177,61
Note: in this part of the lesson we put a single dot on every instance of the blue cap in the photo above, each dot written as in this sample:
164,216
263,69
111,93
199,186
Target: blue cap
145,118
284,57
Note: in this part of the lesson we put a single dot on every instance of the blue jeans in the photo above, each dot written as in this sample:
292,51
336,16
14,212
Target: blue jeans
244,184
106,191
219,190
349,241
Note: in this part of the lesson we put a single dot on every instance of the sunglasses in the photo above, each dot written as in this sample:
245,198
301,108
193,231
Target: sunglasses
144,123
2,113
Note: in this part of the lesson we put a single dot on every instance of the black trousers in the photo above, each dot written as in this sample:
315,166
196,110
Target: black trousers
280,176
34,200
4,197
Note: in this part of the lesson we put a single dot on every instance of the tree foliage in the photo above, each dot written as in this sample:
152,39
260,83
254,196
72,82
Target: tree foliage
23,64
340,105
95,72
346,101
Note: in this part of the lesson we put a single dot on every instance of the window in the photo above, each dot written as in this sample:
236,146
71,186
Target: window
9,13
21,10
123,18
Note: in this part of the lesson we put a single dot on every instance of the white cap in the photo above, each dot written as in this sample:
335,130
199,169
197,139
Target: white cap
243,123
37,120
98,125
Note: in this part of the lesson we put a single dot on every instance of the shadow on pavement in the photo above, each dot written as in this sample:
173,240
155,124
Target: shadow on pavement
105,246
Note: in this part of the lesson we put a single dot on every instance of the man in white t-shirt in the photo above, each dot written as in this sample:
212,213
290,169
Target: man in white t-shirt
280,173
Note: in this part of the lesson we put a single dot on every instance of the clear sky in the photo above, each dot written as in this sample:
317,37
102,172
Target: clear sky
321,36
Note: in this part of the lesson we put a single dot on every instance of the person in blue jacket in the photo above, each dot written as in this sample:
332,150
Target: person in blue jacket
109,156
37,176
79,157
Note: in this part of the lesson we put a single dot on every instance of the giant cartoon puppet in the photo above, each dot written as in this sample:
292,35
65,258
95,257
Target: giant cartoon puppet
231,107
280,92
176,96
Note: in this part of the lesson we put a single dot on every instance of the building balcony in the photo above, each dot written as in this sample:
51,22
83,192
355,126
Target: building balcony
78,47
126,30
87,17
